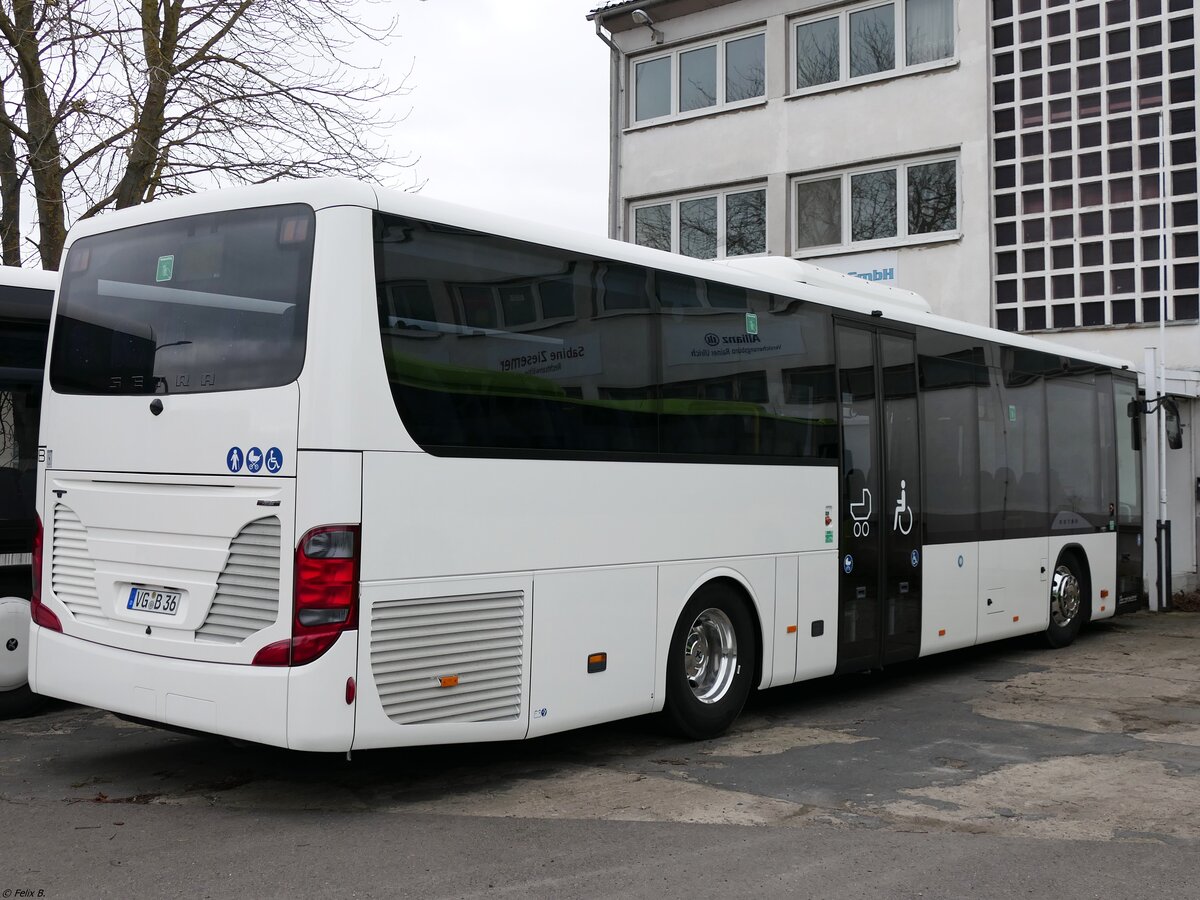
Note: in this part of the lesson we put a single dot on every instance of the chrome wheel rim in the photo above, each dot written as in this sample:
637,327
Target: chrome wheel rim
710,656
1064,597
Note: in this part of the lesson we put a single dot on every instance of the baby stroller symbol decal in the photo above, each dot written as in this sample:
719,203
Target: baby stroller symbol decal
860,512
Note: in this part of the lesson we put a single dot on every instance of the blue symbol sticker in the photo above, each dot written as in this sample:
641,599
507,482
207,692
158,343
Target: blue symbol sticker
234,459
915,558
960,562
254,460
848,564
274,460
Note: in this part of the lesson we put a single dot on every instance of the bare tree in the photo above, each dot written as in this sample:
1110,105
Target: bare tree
818,59
873,205
872,41
932,198
120,103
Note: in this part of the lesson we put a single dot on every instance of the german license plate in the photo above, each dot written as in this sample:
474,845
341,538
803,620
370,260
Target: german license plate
153,600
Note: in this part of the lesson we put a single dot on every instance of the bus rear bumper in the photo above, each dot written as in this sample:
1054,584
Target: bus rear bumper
236,701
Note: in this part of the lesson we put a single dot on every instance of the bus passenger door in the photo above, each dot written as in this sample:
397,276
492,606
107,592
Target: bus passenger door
879,593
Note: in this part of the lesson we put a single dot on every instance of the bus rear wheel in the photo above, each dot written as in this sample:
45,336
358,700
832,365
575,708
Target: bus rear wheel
711,663
1068,594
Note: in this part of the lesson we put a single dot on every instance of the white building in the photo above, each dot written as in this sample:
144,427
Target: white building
1000,157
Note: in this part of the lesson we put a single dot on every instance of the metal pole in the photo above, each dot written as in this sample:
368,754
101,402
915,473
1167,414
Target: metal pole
1163,601
1149,463
615,96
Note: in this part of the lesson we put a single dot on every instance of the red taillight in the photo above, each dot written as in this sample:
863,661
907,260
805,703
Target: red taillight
325,596
37,611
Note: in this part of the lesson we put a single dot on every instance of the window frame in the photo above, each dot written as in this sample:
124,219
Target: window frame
844,79
902,237
674,54
721,197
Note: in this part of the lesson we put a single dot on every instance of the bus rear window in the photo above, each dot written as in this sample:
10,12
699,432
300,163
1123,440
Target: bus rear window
216,302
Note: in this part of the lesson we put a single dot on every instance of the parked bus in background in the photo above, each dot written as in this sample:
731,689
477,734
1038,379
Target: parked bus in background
26,297
334,468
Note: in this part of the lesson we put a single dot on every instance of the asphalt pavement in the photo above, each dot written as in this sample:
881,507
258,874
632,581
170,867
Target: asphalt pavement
1001,771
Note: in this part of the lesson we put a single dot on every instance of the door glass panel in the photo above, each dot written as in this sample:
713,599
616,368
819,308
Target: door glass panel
901,510
858,595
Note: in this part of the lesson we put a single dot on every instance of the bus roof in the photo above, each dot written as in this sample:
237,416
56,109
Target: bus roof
14,276
777,275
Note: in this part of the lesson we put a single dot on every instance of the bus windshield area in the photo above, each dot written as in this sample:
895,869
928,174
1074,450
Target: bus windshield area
213,302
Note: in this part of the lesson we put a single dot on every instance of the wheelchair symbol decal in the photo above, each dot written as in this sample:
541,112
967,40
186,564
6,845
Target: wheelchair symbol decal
860,512
902,510
274,460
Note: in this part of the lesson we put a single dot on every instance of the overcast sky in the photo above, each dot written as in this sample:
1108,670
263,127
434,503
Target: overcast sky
509,106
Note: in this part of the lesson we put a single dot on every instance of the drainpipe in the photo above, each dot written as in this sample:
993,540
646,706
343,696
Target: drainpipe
614,140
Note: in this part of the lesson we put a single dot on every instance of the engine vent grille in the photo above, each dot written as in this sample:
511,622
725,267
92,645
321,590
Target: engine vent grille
247,598
72,573
449,659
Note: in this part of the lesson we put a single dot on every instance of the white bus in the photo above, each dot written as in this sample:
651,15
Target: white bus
26,297
333,468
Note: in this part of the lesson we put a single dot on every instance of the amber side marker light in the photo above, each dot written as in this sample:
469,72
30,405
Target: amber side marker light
1103,593
941,632
1016,618
597,662
791,629
448,680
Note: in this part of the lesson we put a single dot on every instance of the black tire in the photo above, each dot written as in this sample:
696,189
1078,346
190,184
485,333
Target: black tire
1069,598
20,702
706,691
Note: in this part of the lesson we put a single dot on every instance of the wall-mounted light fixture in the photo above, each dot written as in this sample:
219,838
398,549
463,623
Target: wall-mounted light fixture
641,17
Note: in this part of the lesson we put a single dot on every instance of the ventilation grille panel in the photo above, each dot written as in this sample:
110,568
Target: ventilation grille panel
72,573
247,598
477,639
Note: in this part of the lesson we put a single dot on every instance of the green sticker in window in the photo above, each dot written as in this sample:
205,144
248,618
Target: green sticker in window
751,323
1012,413
166,268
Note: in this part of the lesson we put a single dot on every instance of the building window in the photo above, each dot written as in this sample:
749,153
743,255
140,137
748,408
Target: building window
699,78
711,226
911,200
818,53
871,40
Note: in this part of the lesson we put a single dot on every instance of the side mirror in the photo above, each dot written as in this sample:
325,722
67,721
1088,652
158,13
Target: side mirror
1174,426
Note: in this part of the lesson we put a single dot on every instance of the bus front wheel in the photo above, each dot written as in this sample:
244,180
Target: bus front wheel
711,663
1068,596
